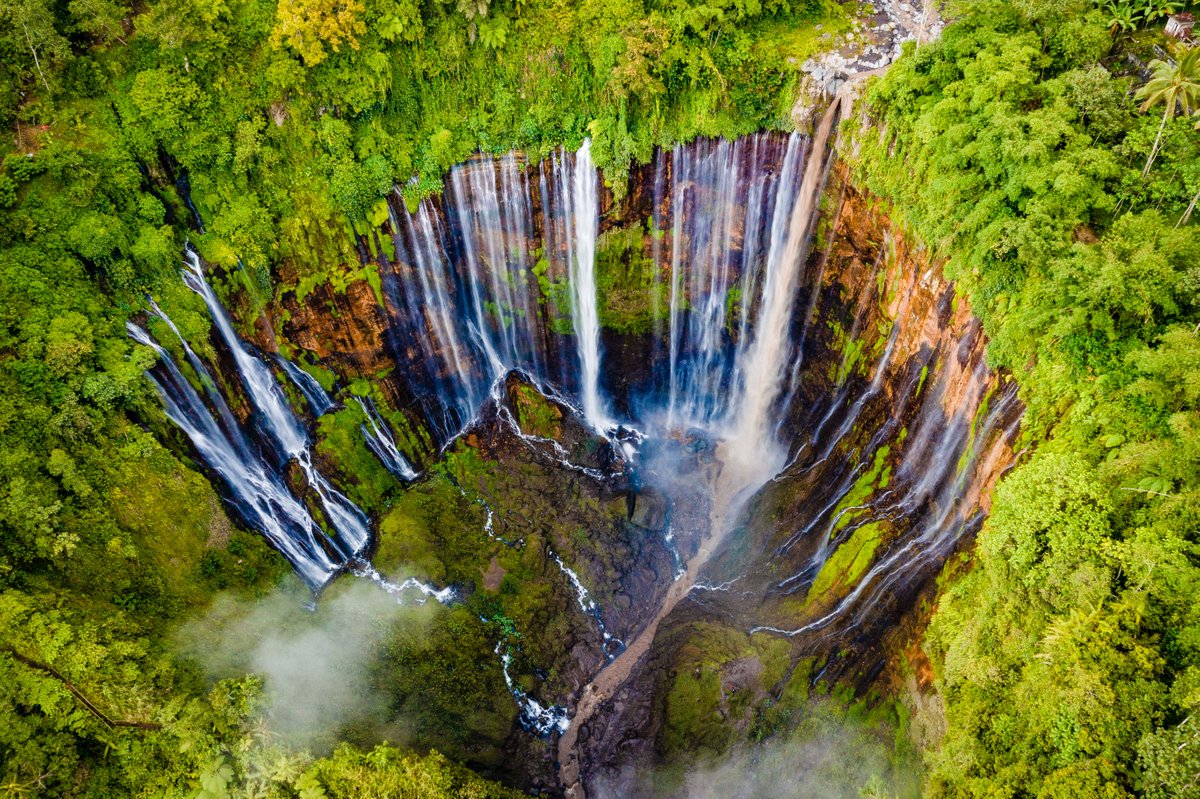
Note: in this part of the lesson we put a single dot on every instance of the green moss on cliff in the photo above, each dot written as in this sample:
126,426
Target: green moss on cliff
848,563
721,675
873,479
340,442
631,293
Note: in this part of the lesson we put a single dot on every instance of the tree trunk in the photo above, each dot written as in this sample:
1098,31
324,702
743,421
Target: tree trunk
1183,220
1157,140
36,62
87,703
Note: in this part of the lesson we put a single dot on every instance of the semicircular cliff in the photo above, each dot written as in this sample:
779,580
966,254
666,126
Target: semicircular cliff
735,401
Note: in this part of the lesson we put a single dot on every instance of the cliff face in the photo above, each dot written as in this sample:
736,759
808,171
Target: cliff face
897,433
895,430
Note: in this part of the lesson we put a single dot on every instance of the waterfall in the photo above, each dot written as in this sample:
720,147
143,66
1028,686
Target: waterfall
277,417
465,290
584,211
753,447
254,487
380,441
318,400
420,289
726,200
256,484
490,202
486,279
501,273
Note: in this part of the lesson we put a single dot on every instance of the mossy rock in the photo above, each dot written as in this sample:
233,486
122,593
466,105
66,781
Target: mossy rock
848,564
535,414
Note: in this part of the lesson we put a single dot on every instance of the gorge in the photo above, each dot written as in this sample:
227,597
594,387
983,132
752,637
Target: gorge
769,359
683,399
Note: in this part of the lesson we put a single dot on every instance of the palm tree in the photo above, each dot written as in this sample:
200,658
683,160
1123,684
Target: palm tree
1173,85
1121,18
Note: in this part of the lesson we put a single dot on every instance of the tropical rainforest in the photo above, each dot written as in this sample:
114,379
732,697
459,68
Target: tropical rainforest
1040,159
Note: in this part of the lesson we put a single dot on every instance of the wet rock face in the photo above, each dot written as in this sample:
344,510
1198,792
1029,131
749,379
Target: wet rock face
897,432
895,429
346,330
497,245
578,493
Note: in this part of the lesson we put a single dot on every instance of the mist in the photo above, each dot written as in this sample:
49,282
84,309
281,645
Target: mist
315,663
829,755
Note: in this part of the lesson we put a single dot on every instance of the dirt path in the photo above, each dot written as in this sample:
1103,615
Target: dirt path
728,493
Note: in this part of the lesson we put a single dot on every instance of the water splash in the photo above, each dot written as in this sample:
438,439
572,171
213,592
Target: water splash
535,717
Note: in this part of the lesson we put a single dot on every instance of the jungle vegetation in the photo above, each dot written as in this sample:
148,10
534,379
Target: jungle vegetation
1046,149
1054,164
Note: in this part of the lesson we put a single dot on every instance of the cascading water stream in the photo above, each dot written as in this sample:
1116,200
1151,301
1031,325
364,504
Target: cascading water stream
380,441
280,422
254,488
762,372
318,400
726,199
584,211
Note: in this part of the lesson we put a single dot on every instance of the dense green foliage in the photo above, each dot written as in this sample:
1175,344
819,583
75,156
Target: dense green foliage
1069,656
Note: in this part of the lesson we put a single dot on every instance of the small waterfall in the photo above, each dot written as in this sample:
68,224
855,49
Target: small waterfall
380,441
425,591
256,490
584,211
534,716
318,400
588,605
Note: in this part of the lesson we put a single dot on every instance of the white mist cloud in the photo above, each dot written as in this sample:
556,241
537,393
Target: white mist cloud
315,663
824,758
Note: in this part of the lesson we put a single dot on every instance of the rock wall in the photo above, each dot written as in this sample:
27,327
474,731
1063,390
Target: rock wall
897,431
